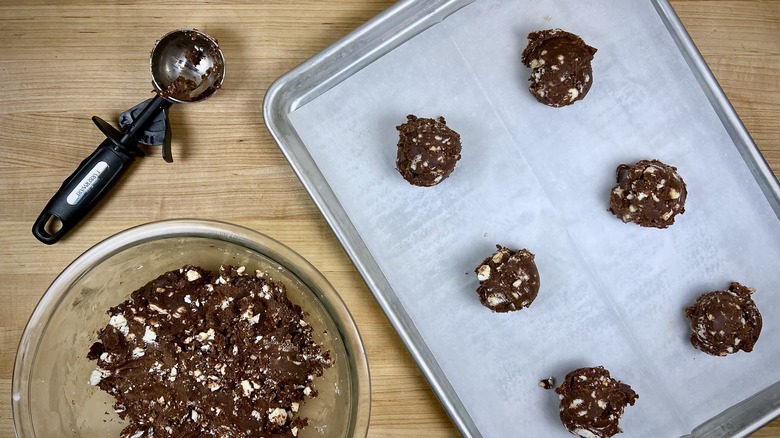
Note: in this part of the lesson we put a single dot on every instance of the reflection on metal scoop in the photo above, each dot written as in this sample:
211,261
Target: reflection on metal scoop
187,66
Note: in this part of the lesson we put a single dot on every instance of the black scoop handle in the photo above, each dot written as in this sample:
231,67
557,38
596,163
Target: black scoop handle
82,191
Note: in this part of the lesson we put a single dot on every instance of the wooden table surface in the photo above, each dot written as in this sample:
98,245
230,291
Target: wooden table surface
64,62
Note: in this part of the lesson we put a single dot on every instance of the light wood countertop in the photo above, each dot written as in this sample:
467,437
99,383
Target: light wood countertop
66,61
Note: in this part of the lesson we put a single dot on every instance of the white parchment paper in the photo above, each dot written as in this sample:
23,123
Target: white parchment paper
536,177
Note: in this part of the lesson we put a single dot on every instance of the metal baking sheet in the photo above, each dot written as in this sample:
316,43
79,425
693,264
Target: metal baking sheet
531,176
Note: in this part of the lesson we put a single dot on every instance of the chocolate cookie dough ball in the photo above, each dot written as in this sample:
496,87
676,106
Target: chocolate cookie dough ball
592,402
560,62
724,322
649,193
427,151
508,280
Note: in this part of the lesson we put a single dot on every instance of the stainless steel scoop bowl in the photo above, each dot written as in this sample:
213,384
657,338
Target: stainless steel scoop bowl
186,55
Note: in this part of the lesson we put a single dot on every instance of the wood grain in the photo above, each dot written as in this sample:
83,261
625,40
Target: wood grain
63,63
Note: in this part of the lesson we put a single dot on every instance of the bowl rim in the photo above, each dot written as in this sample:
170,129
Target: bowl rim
207,228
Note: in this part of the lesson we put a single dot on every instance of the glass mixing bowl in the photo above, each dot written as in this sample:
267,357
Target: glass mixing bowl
51,393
